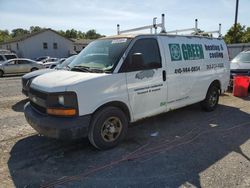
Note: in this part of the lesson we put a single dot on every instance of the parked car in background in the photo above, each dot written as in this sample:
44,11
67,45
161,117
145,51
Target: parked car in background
42,59
19,65
240,65
27,78
4,51
6,56
55,61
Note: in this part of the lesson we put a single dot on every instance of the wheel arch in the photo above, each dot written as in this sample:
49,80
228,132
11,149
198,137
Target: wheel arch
34,68
216,83
118,104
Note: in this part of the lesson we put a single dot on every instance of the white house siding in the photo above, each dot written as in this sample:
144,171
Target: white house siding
33,47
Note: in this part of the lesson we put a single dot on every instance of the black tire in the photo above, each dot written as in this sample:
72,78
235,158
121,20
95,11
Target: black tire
33,69
212,98
102,126
1,73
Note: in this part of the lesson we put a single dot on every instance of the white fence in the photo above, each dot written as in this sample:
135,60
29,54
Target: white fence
235,49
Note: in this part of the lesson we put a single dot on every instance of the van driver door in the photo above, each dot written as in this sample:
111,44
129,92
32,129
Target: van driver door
145,78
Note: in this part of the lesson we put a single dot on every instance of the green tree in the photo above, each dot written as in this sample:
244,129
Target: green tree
91,34
4,35
61,32
246,37
19,32
239,37
71,33
35,29
80,35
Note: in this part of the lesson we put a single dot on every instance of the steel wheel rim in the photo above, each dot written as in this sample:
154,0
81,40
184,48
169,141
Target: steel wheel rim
111,129
213,98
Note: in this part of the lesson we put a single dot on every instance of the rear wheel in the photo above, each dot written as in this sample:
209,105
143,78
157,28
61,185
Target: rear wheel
33,69
212,98
108,128
1,73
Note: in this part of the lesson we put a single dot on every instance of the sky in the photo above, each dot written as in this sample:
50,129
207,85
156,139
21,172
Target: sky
104,15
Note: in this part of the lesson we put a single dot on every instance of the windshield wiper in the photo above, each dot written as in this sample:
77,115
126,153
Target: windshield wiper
89,69
81,68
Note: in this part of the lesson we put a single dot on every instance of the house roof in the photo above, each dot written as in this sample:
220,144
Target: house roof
24,37
82,41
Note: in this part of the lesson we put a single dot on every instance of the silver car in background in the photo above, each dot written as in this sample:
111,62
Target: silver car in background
27,78
19,65
4,56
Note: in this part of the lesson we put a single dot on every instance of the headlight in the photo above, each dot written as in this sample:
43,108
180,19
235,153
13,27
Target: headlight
62,104
61,100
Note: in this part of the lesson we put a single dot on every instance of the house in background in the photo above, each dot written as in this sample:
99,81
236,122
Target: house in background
80,44
46,42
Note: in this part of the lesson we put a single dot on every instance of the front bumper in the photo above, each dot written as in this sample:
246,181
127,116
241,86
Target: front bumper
57,127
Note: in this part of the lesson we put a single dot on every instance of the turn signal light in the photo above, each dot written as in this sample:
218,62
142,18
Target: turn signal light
61,112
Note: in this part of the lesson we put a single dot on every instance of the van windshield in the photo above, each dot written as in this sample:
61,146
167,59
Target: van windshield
101,55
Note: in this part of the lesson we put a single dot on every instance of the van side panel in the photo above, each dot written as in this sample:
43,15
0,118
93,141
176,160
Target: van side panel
193,63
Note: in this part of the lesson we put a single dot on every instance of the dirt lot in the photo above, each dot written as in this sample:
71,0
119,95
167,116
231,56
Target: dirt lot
183,148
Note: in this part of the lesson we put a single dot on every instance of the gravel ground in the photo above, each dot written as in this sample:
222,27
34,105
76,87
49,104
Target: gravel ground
182,148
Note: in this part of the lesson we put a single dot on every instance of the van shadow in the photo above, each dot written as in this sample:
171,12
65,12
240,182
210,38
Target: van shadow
168,150
19,106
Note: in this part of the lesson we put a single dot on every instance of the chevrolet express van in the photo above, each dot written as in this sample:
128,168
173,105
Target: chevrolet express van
124,78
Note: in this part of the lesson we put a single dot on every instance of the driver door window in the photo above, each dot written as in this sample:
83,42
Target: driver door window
149,50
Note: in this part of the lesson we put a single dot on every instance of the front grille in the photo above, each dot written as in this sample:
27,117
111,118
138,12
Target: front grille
38,100
37,107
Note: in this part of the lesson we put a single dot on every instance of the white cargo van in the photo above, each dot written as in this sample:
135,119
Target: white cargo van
124,78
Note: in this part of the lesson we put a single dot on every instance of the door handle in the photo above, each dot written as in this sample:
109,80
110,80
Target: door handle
164,75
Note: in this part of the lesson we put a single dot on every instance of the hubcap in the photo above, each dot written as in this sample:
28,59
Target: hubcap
213,98
111,129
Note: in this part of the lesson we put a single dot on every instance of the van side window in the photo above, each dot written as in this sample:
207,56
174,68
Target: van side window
148,50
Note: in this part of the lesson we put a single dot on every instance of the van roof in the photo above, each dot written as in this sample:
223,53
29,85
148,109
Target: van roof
160,34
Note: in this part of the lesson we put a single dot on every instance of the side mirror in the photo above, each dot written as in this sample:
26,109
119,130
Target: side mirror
137,61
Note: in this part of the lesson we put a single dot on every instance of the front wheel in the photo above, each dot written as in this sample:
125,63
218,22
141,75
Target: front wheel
1,73
212,98
108,128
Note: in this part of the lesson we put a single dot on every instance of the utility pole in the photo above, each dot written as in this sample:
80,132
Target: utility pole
235,20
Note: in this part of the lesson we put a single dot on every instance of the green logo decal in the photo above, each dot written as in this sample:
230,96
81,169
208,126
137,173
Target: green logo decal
175,52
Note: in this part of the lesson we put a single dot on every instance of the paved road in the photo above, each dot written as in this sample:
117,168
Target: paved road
183,148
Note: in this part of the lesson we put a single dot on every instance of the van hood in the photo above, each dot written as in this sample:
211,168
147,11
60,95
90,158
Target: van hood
59,81
37,73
